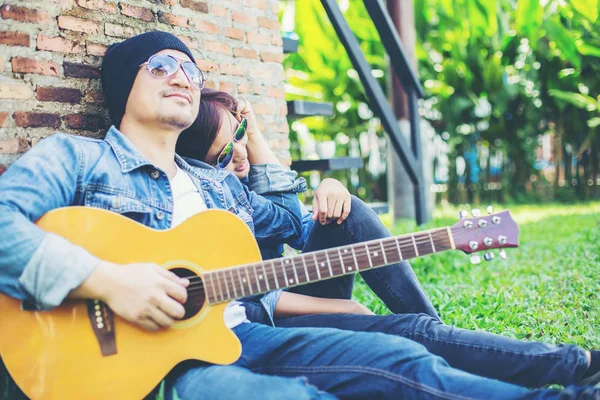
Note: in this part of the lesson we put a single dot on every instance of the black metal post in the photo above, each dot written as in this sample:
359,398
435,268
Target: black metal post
415,141
373,90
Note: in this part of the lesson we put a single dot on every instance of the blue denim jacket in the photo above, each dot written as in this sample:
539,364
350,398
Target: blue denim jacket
41,268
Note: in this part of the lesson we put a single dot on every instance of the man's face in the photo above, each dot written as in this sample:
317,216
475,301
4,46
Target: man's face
170,102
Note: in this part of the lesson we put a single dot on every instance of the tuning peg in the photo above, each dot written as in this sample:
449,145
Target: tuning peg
463,214
502,254
488,256
475,259
475,212
490,209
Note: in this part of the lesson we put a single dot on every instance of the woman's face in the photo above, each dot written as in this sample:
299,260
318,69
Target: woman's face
239,164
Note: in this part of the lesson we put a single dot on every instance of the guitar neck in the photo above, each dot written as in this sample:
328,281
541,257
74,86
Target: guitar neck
246,280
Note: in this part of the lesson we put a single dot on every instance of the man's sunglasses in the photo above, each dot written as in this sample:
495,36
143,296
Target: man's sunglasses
227,153
163,65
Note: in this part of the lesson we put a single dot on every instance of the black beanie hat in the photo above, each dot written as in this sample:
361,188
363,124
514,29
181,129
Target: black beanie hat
122,62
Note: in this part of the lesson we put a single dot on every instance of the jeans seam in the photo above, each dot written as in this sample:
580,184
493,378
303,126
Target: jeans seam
367,370
470,345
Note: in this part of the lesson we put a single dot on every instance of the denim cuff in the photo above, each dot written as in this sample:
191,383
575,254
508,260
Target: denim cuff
56,268
269,301
267,178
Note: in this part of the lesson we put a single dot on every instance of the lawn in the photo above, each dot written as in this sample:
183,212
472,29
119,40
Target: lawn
547,290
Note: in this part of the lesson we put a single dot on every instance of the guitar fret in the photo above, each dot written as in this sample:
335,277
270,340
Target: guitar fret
431,239
233,282
341,261
368,255
212,286
356,265
295,272
275,274
383,251
398,247
415,245
317,266
286,280
328,263
240,281
226,284
248,278
220,288
305,269
266,277
256,277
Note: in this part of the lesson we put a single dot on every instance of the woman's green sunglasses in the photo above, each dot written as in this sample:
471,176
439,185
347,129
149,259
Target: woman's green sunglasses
227,153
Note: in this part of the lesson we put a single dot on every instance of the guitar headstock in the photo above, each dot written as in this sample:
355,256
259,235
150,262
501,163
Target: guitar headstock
484,233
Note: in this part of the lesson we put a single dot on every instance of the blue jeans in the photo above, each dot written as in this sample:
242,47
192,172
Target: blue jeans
396,285
354,365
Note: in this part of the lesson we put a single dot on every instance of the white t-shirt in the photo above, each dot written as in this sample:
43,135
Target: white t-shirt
187,201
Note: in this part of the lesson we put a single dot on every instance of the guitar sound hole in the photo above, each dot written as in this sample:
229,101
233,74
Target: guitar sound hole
196,294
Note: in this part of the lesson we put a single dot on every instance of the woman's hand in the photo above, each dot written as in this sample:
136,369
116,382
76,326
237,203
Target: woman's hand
244,109
331,201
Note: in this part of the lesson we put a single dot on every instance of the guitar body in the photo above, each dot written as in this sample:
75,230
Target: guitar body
56,354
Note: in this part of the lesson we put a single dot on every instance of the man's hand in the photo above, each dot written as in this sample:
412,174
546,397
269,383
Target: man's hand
331,201
146,295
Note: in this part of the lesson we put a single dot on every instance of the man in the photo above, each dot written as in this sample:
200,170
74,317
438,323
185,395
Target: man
151,89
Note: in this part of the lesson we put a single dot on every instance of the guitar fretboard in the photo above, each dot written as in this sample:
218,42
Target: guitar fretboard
246,280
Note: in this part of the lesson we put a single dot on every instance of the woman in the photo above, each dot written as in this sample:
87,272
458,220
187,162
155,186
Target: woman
225,134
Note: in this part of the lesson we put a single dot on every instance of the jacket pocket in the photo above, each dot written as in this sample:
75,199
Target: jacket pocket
116,201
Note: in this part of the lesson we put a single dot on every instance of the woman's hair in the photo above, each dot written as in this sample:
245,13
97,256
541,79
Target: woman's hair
195,141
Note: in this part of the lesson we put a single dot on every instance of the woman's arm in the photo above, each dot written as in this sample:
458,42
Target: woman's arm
293,304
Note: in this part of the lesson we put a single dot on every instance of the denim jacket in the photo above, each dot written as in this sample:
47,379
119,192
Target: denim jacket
41,268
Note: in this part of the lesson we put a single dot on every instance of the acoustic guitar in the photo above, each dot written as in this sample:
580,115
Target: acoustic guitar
81,350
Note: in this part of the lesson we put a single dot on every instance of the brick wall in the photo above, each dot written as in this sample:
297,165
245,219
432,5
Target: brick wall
51,50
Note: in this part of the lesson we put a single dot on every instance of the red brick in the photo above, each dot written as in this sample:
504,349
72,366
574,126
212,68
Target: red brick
207,27
95,49
98,5
118,30
260,4
206,66
2,61
169,2
267,56
80,70
23,14
277,41
62,95
2,169
36,120
243,88
93,96
234,33
278,93
19,145
192,43
257,38
226,87
29,66
244,53
78,24
263,109
16,91
284,128
3,116
269,23
231,69
244,18
14,38
83,121
65,3
195,5
172,19
216,47
211,85
283,110
219,11
136,12
58,44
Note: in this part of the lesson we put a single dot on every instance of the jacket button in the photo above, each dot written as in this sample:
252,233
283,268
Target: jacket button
155,174
160,215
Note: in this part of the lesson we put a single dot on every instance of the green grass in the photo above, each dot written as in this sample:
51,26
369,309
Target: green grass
547,290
